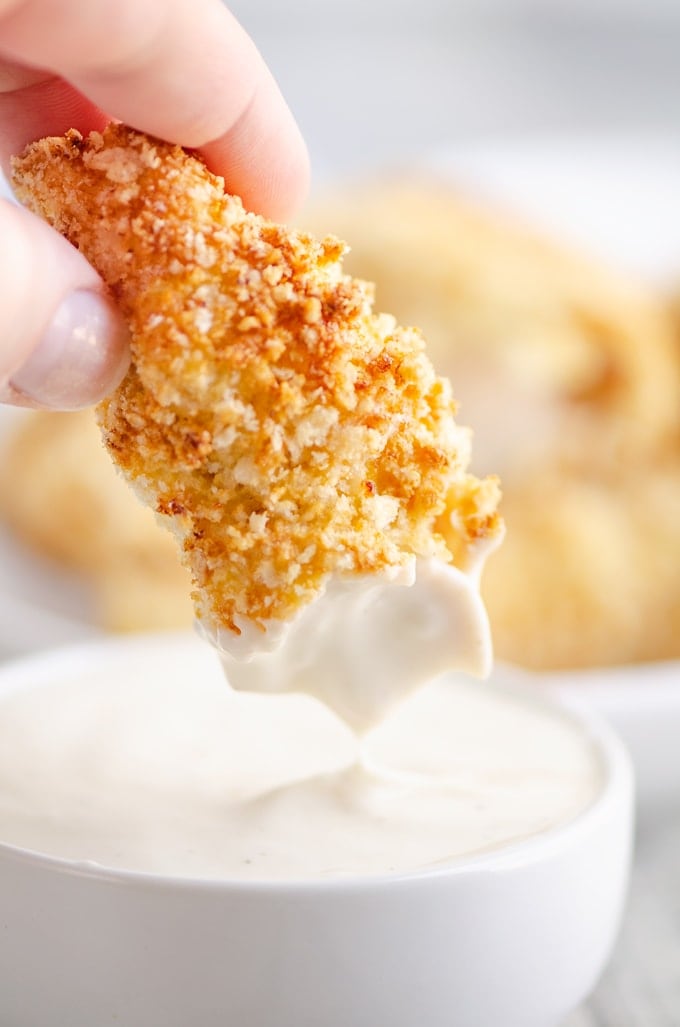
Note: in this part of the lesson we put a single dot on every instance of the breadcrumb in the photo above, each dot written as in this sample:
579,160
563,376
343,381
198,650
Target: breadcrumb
277,424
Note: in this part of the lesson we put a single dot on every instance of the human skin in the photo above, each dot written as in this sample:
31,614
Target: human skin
183,70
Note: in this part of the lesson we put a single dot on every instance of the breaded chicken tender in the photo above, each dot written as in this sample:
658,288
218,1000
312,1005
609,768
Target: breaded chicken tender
280,427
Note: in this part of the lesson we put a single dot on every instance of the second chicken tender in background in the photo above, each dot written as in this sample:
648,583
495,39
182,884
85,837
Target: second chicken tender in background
61,496
569,375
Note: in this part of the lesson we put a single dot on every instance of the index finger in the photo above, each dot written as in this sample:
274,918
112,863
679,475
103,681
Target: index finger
186,72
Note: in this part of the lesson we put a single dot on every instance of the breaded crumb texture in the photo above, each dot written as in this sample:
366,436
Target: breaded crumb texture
278,425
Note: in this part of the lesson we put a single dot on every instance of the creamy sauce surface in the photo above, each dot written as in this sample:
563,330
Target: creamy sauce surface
369,640
153,764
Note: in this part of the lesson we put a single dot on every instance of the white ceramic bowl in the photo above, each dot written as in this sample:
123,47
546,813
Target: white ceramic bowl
516,938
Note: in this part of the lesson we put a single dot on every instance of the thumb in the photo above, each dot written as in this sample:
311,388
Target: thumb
63,345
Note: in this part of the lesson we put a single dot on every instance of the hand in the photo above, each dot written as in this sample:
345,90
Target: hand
183,70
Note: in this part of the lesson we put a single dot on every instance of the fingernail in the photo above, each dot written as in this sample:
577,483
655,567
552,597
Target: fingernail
82,356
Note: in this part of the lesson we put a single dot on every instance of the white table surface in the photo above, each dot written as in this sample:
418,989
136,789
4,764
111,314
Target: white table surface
641,987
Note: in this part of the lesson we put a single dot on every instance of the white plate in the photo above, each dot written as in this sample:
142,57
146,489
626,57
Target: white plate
617,197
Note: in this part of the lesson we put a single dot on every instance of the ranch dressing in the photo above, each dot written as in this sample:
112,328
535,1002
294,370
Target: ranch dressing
152,764
369,640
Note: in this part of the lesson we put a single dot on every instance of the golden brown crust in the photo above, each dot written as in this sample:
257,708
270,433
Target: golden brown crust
283,429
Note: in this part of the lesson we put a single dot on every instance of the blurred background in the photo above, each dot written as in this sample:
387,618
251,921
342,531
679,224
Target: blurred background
374,82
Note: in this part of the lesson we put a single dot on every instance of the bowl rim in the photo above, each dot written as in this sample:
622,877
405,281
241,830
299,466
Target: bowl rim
617,785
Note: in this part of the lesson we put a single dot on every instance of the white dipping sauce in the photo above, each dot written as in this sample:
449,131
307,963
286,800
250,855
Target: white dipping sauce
155,765
369,640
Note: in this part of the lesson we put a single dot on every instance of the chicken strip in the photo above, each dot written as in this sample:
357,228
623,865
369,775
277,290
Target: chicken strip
298,444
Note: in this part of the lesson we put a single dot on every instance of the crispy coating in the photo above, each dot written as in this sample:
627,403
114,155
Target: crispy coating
281,428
